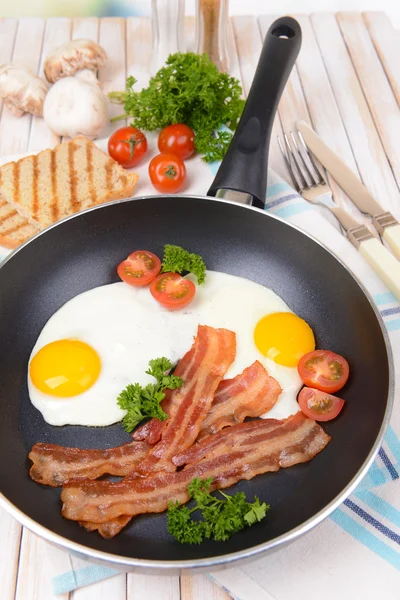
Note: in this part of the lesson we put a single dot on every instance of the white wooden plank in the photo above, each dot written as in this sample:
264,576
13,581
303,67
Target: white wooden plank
138,51
140,587
200,587
366,145
310,98
87,28
387,44
113,588
8,30
249,44
14,131
37,561
57,32
376,87
113,76
10,536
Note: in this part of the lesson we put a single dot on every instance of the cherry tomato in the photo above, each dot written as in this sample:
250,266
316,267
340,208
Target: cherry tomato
139,268
318,405
127,146
167,173
324,370
172,291
177,139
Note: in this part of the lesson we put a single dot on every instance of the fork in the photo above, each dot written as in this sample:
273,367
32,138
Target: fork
309,182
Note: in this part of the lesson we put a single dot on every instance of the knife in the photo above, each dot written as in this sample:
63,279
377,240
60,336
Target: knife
385,223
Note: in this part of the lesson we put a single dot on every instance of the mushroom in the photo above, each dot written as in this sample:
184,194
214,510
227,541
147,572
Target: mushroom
21,90
76,106
74,56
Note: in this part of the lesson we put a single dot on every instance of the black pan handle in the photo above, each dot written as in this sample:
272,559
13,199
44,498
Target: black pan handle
242,175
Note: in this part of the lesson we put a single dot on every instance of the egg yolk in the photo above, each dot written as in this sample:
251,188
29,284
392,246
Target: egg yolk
65,368
284,338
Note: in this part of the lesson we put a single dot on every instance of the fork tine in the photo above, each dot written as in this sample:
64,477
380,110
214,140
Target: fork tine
321,179
289,166
314,183
303,181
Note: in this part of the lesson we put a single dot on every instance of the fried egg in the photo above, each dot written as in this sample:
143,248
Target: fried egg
103,339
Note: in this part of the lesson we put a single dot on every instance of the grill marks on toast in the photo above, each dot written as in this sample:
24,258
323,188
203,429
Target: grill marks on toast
16,182
14,230
53,170
74,202
54,184
89,164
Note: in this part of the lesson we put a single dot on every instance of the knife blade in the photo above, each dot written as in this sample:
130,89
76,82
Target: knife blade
383,220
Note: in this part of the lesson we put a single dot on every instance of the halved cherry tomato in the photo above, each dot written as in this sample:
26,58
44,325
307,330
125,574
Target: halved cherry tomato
172,291
318,405
323,370
127,146
177,139
139,268
167,173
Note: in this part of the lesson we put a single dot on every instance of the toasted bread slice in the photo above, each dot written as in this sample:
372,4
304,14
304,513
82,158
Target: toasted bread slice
54,184
14,229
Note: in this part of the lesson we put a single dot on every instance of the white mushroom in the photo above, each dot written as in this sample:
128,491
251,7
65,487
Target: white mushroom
74,56
21,90
76,106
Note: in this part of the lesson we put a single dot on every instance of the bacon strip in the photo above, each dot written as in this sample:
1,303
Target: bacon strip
243,451
55,465
152,430
250,394
214,351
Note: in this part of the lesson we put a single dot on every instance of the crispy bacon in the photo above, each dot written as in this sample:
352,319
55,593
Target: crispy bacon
243,451
214,351
152,430
250,394
55,465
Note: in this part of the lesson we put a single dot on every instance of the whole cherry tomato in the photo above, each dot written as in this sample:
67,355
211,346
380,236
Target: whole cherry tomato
127,146
167,173
177,139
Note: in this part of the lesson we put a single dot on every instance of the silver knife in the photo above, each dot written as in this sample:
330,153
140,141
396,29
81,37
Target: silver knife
384,221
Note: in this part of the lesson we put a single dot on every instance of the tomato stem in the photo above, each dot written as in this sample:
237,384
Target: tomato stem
132,143
170,171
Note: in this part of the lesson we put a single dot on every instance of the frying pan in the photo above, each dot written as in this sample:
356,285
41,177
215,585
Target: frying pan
82,252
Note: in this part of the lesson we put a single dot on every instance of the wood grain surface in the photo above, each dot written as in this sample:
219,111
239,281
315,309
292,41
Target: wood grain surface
346,84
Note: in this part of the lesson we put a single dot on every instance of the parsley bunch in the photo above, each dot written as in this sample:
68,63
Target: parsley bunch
221,517
141,402
178,260
188,89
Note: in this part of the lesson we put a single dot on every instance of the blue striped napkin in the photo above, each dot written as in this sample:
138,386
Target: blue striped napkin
356,551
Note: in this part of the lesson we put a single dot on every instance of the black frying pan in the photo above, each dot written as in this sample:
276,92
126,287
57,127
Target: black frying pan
82,252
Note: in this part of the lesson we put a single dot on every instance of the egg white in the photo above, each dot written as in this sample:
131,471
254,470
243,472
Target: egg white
127,328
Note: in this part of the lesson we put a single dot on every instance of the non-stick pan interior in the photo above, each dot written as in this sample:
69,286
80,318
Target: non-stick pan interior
83,252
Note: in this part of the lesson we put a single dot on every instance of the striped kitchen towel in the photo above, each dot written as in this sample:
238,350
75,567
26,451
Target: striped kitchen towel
355,553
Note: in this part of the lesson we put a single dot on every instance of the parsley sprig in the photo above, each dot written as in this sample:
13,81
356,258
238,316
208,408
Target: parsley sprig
179,260
141,402
221,517
188,89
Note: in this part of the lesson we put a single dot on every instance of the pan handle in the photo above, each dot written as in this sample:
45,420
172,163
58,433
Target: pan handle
242,175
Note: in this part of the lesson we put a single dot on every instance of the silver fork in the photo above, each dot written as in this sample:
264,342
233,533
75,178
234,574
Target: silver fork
310,183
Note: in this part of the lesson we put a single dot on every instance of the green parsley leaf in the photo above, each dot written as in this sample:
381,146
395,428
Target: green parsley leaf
221,518
179,260
188,89
141,402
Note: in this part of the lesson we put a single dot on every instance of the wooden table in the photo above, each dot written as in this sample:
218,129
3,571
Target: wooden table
346,84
